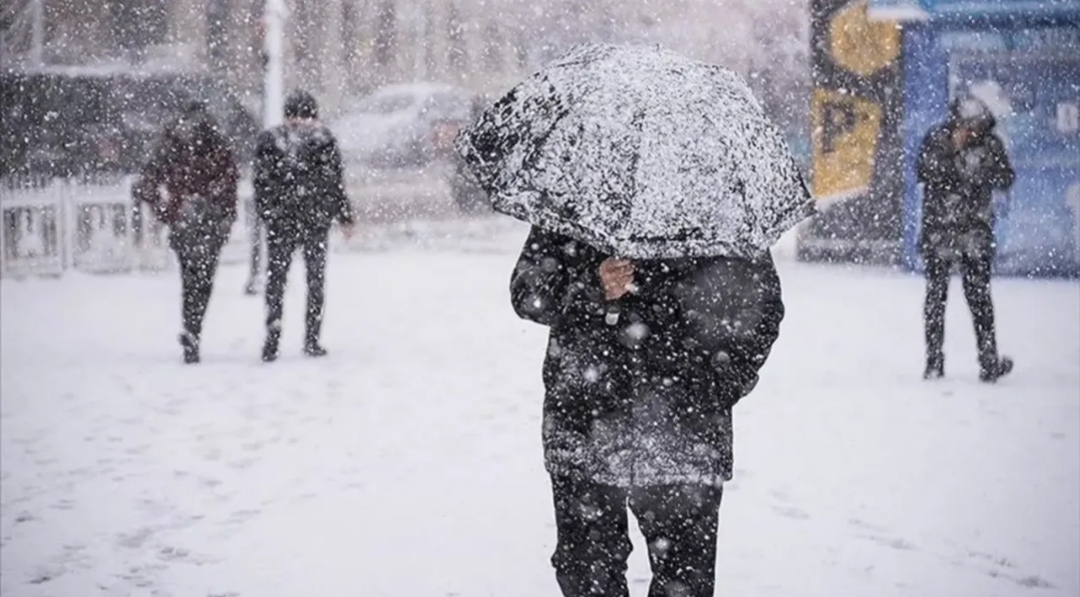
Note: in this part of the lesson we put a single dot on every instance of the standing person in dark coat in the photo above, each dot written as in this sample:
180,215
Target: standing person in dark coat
195,165
960,164
645,361
299,192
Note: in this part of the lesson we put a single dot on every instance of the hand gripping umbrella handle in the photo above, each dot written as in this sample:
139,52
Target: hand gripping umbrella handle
614,310
611,317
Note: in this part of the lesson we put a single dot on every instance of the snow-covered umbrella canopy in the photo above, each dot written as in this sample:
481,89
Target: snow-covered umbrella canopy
640,152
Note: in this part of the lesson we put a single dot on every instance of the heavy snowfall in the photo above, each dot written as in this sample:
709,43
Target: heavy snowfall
409,461
412,456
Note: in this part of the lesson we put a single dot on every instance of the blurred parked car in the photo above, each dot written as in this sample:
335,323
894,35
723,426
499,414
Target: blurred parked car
407,131
64,121
402,126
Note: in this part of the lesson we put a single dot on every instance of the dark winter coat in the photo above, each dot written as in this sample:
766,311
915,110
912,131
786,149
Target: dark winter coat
958,185
196,166
639,391
299,178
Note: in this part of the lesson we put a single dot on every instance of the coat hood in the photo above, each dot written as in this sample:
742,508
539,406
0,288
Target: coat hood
301,104
194,126
972,112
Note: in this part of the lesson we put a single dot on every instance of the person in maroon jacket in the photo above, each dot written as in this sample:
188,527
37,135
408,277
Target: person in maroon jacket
190,181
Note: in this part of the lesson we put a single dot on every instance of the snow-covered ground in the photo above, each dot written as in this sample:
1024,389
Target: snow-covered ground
408,462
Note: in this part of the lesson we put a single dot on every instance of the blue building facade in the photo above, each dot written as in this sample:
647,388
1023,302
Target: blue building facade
1022,58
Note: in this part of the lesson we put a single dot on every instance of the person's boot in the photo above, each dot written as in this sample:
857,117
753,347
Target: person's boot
270,349
313,349
191,348
996,370
935,368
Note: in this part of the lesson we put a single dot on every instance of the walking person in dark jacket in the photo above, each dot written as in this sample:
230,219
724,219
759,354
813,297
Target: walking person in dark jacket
299,192
195,166
960,164
644,363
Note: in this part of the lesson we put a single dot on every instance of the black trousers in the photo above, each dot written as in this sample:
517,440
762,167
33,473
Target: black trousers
198,259
975,275
679,522
281,245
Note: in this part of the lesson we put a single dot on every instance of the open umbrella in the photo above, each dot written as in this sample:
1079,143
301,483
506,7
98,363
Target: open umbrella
641,153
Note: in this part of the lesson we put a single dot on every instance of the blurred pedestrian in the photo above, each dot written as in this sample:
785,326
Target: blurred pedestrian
961,162
191,182
299,192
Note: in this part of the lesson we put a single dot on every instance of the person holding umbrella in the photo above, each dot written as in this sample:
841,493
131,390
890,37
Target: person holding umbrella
654,186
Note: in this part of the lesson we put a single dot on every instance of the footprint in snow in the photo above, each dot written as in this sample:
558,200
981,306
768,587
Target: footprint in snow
743,473
173,554
893,542
791,512
1031,581
780,495
999,561
242,516
44,574
42,578
855,522
242,463
134,540
786,508
1034,582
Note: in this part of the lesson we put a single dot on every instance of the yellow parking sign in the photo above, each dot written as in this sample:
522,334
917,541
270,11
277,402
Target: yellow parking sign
845,137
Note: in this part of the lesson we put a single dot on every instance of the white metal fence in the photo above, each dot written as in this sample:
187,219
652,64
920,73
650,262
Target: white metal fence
90,225
49,226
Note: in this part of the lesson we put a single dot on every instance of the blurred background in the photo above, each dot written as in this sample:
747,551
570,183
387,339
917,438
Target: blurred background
87,86
852,84
343,50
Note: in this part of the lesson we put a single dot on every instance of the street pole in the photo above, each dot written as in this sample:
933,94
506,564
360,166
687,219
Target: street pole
274,16
425,41
37,46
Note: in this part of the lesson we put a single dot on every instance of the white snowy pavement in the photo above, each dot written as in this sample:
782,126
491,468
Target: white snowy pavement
408,462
